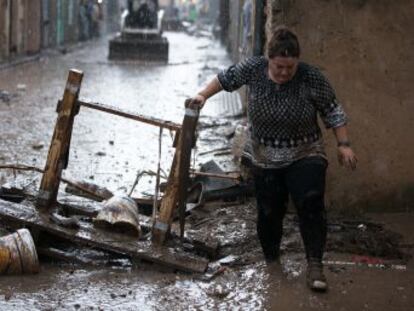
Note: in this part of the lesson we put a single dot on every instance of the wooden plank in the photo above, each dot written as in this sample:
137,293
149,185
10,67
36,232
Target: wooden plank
162,225
59,147
28,216
187,144
131,115
175,193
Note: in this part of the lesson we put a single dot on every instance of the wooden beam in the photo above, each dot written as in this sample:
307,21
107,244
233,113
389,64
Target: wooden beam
187,144
86,234
131,115
176,191
59,147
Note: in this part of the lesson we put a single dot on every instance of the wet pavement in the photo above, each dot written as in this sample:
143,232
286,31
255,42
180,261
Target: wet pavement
109,151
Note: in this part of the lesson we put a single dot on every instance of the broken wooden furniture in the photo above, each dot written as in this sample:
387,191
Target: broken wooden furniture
58,155
57,160
20,189
87,234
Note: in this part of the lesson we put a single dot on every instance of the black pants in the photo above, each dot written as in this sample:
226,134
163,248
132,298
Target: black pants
304,180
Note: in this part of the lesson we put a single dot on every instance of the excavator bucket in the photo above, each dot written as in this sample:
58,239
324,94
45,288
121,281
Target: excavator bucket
139,48
141,34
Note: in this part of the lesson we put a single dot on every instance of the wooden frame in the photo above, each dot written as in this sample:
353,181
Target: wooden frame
176,192
57,160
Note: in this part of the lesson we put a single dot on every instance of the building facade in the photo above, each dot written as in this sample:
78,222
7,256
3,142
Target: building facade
19,27
28,26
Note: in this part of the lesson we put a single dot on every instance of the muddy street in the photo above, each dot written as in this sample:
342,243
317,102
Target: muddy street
368,263
109,151
103,147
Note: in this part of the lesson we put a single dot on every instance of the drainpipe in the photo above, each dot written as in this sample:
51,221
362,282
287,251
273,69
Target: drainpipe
259,27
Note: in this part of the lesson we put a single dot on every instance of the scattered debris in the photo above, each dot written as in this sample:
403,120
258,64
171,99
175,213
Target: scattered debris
38,146
229,260
18,253
21,87
89,190
214,151
222,153
213,124
229,132
82,255
68,222
8,294
221,189
219,292
214,270
5,96
195,196
119,214
370,239
239,141
362,227
86,234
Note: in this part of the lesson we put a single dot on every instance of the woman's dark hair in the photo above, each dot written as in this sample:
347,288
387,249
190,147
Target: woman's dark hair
283,42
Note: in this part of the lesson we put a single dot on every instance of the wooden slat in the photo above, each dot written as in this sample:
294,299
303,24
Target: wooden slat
28,216
131,115
175,193
59,146
187,144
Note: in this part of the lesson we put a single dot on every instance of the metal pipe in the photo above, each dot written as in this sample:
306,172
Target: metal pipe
131,115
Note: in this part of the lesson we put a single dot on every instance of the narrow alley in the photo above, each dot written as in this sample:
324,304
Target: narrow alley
368,260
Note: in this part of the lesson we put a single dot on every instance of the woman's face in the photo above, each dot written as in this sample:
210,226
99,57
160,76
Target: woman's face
282,69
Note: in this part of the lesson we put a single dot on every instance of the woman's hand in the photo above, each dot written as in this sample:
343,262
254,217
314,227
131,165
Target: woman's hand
347,157
196,102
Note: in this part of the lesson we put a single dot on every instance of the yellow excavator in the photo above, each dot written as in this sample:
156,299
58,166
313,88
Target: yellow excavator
141,34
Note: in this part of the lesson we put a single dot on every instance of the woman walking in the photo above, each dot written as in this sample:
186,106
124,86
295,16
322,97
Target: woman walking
285,145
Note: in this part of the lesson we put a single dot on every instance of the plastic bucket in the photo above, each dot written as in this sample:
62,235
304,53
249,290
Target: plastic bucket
18,253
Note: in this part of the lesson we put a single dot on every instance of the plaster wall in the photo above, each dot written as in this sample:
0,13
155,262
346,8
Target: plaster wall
365,49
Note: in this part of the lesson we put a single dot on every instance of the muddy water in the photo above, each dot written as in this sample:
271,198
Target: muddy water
57,288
